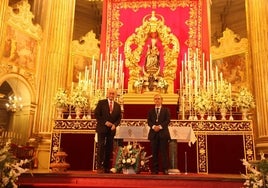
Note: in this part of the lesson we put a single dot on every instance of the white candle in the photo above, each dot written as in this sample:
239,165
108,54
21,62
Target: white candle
79,77
230,89
72,87
180,81
96,81
204,80
207,71
182,71
122,82
203,61
216,75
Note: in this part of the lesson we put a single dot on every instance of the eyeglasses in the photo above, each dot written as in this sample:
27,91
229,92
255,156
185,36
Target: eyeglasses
157,98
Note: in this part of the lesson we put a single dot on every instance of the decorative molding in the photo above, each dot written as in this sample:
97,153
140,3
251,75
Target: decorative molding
87,46
201,129
21,18
230,44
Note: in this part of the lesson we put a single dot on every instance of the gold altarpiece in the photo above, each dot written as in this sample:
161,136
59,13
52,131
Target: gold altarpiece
153,28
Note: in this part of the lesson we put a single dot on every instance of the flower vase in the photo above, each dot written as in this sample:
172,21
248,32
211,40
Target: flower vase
129,170
78,112
60,112
244,113
165,89
223,112
89,114
202,115
138,89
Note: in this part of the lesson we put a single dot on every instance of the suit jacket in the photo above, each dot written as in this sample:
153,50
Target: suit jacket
102,114
163,120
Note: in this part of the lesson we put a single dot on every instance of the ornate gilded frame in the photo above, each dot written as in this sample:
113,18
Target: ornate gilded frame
82,53
133,56
232,59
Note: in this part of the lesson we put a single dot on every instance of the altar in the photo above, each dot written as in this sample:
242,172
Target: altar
140,133
216,146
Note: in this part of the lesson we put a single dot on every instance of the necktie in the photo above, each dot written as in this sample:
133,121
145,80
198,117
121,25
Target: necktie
111,106
157,114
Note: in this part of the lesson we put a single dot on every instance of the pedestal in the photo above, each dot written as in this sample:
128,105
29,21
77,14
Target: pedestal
173,158
60,165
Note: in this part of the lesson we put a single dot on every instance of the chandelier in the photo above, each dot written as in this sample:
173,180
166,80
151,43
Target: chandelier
14,103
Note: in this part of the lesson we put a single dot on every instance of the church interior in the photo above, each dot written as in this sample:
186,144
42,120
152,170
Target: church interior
207,59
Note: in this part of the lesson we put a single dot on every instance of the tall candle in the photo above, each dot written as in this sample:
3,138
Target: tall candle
230,89
204,80
203,61
207,71
180,81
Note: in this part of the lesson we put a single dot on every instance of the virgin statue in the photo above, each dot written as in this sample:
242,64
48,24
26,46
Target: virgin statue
152,63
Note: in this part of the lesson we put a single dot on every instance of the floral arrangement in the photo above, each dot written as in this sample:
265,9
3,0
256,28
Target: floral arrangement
131,156
99,95
223,97
138,83
244,99
202,101
61,98
10,168
162,83
257,173
78,99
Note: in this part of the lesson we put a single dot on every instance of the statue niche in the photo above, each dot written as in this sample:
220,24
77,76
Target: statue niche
151,54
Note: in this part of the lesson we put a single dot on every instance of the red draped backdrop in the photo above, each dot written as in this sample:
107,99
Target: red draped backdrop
187,19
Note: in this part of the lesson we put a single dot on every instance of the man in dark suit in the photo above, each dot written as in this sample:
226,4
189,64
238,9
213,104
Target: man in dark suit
108,116
158,121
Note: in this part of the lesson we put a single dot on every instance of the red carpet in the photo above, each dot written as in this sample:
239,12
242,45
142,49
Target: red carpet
144,180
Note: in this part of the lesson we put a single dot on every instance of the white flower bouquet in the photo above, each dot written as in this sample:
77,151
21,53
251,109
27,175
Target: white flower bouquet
61,98
162,83
202,101
257,172
223,98
99,95
78,99
10,167
131,156
138,83
244,99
